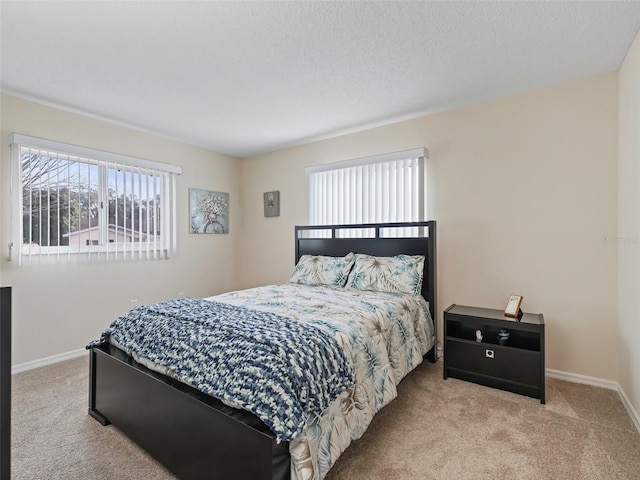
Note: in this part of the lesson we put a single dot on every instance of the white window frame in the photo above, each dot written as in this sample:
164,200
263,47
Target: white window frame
382,188
104,161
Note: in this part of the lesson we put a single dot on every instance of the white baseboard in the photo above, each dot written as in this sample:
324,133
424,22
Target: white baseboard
598,382
23,367
576,378
632,412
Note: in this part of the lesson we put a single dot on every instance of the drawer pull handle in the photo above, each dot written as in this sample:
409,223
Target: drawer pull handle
489,353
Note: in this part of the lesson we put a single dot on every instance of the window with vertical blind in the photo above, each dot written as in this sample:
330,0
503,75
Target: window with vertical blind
377,189
71,200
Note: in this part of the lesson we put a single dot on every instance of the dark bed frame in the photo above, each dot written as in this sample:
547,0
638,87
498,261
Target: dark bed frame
195,435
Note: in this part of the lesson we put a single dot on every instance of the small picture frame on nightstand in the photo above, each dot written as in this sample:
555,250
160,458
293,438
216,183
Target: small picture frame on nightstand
513,307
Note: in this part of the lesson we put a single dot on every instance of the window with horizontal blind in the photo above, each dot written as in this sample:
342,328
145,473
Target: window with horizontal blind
378,189
74,200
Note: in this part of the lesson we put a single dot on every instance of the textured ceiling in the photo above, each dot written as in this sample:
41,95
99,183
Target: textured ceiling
244,78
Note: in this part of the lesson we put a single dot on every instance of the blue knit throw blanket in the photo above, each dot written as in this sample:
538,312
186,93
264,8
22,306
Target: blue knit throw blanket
279,369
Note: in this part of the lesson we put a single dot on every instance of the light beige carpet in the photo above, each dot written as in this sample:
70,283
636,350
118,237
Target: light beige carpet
435,429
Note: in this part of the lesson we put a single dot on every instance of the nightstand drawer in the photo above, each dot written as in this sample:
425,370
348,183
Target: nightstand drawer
516,365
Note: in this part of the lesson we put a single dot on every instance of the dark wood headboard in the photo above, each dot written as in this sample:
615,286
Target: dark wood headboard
335,241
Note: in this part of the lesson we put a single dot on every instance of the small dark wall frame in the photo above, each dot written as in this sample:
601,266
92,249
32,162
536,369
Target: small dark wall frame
272,204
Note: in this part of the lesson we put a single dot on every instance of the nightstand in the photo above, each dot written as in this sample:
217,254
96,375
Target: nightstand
515,364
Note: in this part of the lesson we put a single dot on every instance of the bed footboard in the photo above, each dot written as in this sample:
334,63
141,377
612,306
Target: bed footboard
193,435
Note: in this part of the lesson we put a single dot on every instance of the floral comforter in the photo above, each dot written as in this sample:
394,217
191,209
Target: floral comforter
384,335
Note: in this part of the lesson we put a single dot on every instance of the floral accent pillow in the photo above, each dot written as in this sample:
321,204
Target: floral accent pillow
322,270
399,274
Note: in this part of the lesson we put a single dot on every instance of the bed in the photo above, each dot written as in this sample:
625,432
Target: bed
197,436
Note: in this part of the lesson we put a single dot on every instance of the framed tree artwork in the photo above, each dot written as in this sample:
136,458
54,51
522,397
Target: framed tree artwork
209,211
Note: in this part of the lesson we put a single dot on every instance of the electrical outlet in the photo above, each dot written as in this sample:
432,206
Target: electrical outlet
181,294
134,302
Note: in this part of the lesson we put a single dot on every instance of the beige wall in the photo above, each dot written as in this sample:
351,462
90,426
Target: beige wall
59,308
523,188
524,192
629,226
